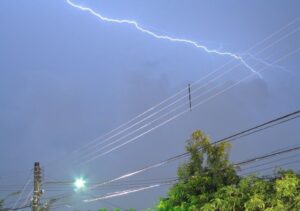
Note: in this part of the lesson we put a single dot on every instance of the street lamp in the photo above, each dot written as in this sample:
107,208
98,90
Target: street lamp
79,184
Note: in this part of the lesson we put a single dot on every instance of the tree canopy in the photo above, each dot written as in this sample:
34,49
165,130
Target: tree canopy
208,181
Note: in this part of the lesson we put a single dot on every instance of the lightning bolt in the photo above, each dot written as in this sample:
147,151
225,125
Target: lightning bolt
272,65
164,37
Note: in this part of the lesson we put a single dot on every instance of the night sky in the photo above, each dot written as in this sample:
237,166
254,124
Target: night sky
67,77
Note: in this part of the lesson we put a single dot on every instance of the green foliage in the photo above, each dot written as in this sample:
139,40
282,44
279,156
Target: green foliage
253,193
208,182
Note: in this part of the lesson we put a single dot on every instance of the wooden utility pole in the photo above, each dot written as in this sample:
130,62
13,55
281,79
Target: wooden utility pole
36,182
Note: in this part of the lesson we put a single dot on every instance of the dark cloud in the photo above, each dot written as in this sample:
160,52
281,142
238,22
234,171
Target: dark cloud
66,78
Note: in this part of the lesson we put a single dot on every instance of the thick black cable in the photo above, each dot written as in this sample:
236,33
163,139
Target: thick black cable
270,162
261,125
272,167
268,155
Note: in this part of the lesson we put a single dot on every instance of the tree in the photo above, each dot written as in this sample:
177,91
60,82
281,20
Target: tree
199,178
208,181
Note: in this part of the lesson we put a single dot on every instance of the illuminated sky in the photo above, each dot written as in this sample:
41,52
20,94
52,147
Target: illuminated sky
67,77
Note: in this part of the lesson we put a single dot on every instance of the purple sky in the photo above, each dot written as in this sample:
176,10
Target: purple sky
67,77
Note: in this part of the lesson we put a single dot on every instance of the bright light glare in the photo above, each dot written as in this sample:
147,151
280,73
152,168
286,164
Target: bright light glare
79,183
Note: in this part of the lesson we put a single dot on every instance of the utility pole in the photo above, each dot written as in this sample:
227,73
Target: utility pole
36,181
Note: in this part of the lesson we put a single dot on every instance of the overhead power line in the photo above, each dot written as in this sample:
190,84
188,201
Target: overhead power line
183,112
272,167
172,118
270,162
246,133
227,139
232,137
96,149
121,193
258,158
150,181
181,91
269,155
